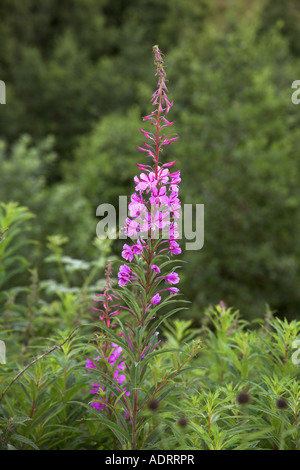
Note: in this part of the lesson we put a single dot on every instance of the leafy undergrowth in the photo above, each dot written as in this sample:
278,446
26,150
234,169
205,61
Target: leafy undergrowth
241,391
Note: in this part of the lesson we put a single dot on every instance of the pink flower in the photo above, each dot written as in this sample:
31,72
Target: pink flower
173,230
163,174
159,196
172,278
174,247
155,268
124,275
138,248
160,220
173,290
175,177
136,208
117,351
98,406
133,228
155,299
174,204
127,253
119,378
96,388
146,181
90,364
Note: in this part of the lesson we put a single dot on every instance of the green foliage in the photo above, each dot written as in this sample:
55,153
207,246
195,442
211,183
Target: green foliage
39,413
36,393
200,408
234,358
24,171
287,17
84,79
25,168
112,142
47,407
191,394
12,228
239,133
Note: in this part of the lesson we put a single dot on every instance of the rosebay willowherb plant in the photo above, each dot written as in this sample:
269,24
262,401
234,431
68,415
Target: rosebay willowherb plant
147,292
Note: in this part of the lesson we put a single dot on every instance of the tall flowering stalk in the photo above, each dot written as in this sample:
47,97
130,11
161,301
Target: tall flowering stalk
110,360
155,206
153,211
147,281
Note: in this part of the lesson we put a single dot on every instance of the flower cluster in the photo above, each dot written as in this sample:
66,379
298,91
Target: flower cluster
116,363
154,207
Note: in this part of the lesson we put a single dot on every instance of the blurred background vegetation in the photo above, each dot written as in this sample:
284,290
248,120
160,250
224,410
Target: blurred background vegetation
78,80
